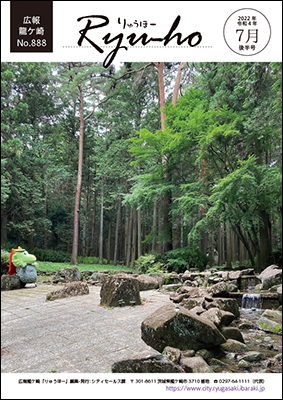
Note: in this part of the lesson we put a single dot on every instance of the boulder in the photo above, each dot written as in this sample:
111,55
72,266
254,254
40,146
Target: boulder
189,303
147,282
197,310
226,317
195,292
271,276
205,354
67,275
150,364
179,328
272,314
172,354
120,290
233,333
195,365
269,326
172,287
252,356
214,315
279,292
234,346
159,277
97,278
222,289
70,289
11,282
187,275
230,305
188,353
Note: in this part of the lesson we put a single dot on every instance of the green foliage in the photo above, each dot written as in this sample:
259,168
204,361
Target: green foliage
276,257
187,257
144,263
5,259
51,255
90,260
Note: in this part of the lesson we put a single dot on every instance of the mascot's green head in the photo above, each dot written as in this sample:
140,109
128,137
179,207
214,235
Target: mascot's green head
21,257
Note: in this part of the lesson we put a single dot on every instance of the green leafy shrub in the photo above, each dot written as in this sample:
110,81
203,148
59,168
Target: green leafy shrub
179,260
88,260
51,255
178,265
144,263
5,259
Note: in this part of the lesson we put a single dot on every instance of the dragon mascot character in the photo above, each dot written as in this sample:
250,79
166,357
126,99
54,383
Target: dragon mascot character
23,263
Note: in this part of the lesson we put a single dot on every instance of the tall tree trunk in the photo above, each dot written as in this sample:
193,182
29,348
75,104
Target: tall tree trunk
203,242
182,232
167,225
109,242
74,259
160,74
91,250
219,240
134,238
101,223
127,220
129,238
177,83
139,234
85,224
154,226
117,233
228,246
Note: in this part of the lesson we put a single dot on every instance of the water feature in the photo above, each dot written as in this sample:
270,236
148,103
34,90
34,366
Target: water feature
252,301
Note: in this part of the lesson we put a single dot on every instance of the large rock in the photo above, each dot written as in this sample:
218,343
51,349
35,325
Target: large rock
97,278
230,305
147,282
120,290
213,315
195,365
159,277
234,346
172,354
226,317
233,333
151,364
222,289
70,289
279,292
11,282
252,356
193,292
179,328
67,275
271,276
269,326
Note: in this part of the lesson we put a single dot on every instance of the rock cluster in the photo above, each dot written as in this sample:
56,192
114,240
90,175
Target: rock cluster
196,326
67,275
70,289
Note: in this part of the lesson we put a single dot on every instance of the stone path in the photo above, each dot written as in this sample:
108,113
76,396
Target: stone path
70,335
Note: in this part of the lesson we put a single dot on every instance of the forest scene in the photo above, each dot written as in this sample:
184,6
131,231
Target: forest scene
178,164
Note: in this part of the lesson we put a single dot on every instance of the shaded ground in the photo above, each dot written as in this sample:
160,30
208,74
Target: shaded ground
69,335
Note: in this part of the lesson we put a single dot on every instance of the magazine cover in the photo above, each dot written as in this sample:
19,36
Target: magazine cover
141,200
